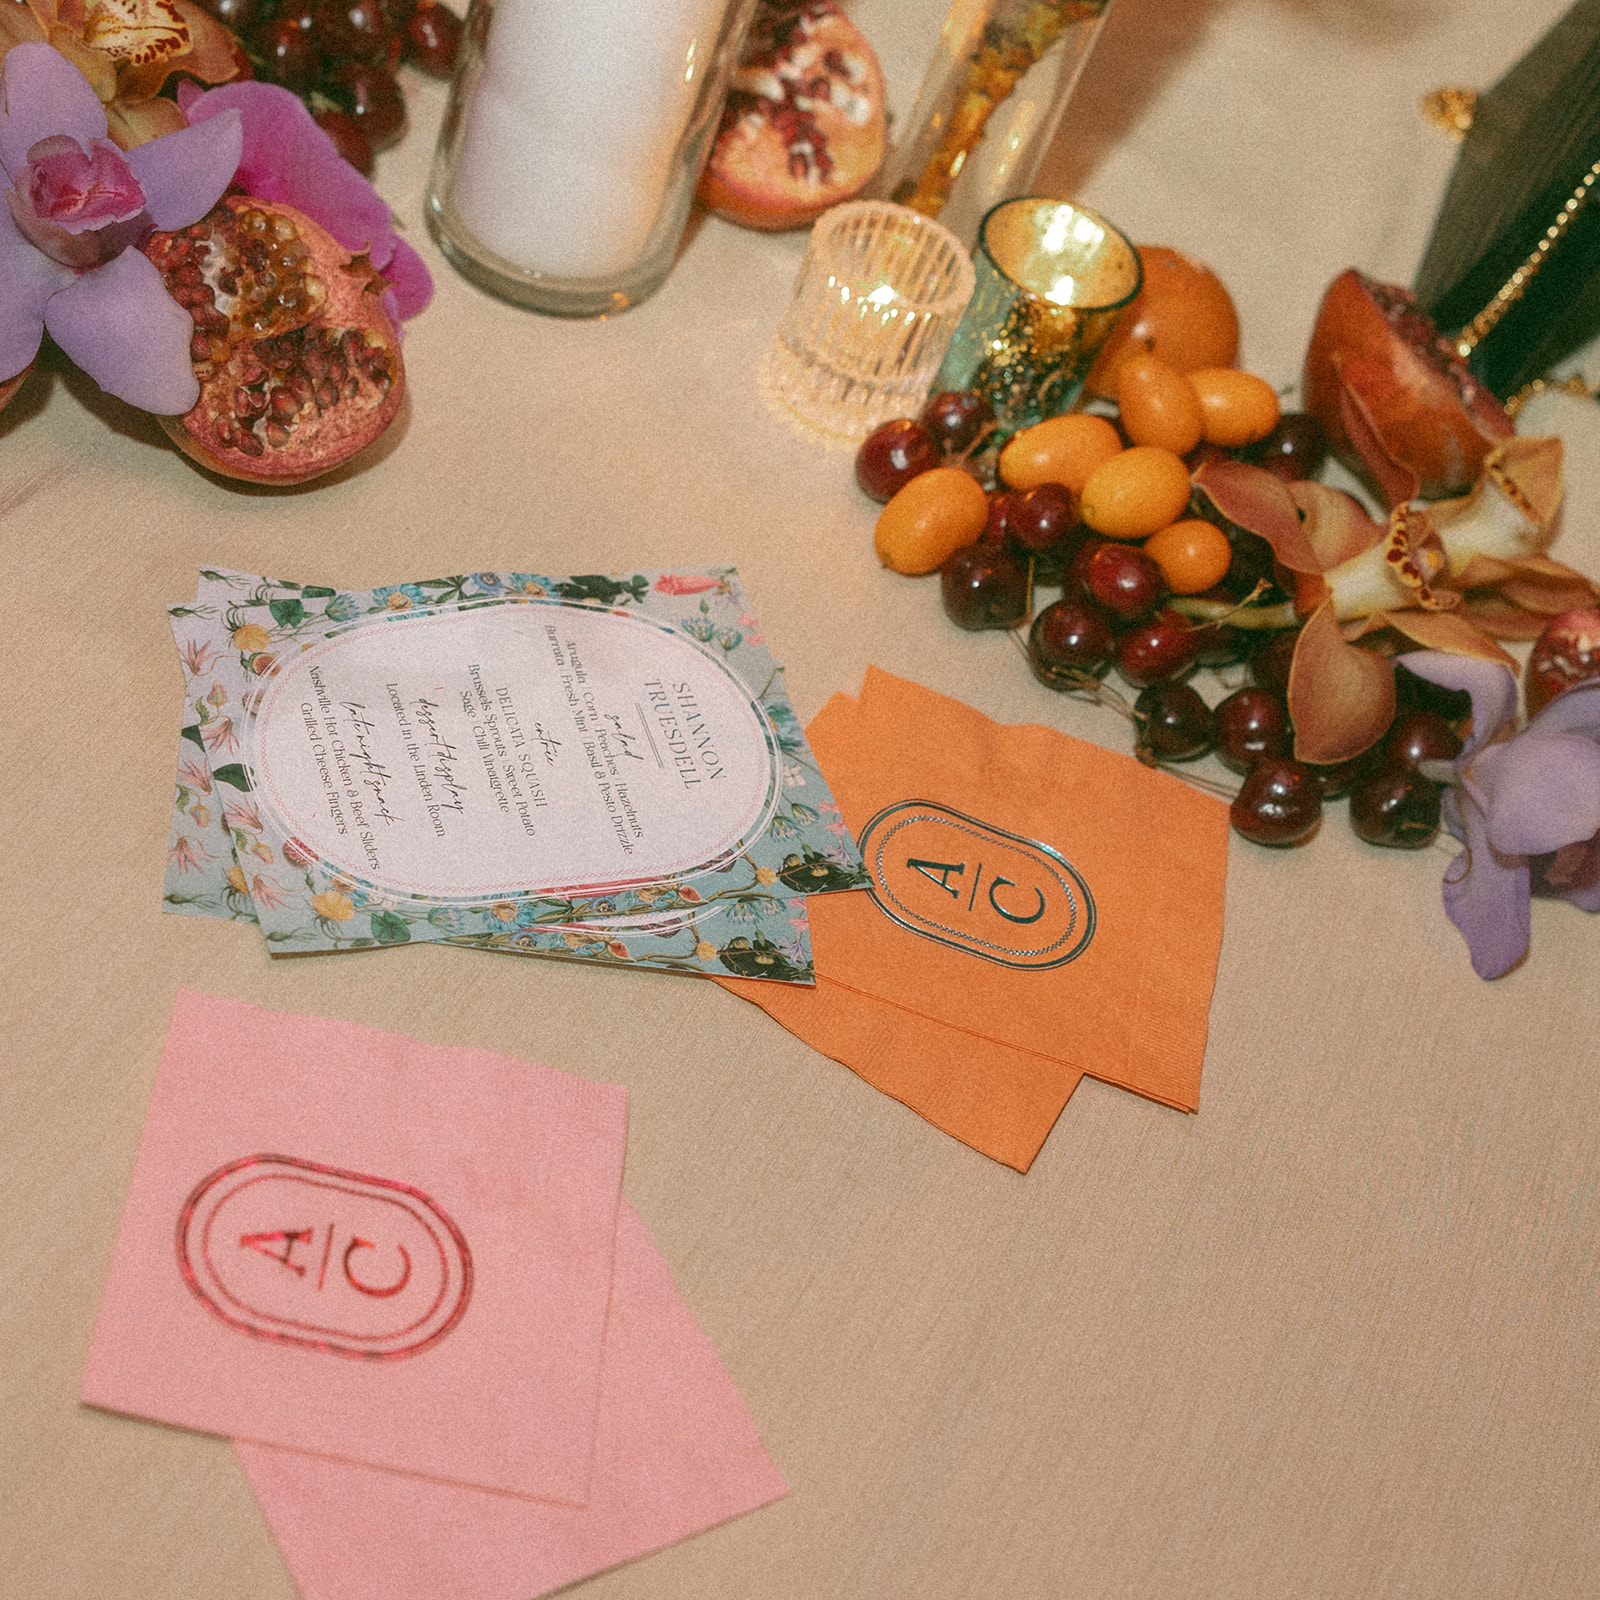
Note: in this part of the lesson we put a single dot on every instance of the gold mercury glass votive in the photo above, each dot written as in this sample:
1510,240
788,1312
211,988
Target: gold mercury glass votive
878,296
1053,280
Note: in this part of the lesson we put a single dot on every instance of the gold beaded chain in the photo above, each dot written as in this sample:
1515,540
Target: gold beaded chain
1573,385
1511,290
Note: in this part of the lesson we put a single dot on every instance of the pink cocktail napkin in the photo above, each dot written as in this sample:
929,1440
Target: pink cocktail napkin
675,1452
393,1253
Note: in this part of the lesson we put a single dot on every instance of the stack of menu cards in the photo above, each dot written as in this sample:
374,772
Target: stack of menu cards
590,768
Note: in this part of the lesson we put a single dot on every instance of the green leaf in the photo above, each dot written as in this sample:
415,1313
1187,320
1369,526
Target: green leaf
387,928
233,773
192,734
313,591
287,613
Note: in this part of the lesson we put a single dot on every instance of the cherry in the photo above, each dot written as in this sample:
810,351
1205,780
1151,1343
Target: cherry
1076,575
372,98
1252,724
994,531
1218,645
1396,806
1253,564
955,418
1175,724
1567,652
1270,664
1155,649
399,12
354,30
1294,450
1068,637
984,586
1123,581
348,139
1041,516
1279,803
1337,778
1418,736
892,455
1412,693
240,15
432,39
287,52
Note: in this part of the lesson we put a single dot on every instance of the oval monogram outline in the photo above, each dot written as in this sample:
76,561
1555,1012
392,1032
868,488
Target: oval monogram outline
420,1208
1072,882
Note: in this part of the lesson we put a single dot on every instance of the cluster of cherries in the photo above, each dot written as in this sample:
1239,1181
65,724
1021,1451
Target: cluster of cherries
341,56
1115,613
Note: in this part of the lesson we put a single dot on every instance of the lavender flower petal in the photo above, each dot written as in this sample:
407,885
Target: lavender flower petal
30,278
1575,710
1493,689
41,94
1486,896
1540,792
412,283
122,327
184,174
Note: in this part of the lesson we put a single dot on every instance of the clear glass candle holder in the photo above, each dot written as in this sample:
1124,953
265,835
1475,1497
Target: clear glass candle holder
572,143
1053,280
878,296
1000,79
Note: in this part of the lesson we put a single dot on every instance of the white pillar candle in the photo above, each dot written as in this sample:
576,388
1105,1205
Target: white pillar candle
569,139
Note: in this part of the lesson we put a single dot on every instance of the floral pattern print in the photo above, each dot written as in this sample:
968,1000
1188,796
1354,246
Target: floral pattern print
747,917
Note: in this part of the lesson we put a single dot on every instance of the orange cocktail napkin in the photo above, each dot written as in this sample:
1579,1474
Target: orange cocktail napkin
1038,909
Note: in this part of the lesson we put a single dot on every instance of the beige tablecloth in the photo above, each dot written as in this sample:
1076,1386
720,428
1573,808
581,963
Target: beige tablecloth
1336,1335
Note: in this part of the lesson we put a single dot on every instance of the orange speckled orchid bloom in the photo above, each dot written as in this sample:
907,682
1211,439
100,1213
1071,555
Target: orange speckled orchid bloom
127,49
1453,576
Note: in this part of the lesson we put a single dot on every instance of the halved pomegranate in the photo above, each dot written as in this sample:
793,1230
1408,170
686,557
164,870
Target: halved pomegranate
298,362
1398,404
804,126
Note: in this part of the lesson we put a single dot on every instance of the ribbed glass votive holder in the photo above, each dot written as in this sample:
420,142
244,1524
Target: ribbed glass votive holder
878,296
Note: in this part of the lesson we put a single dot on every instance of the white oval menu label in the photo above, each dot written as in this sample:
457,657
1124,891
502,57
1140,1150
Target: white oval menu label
536,748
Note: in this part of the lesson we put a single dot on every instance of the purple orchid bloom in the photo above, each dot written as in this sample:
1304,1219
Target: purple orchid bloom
288,157
1526,805
77,209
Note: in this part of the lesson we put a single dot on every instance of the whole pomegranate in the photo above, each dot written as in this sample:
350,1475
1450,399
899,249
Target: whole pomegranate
1567,652
1397,403
805,123
298,362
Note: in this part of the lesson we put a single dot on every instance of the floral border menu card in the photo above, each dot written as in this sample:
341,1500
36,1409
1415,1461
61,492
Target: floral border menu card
594,768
